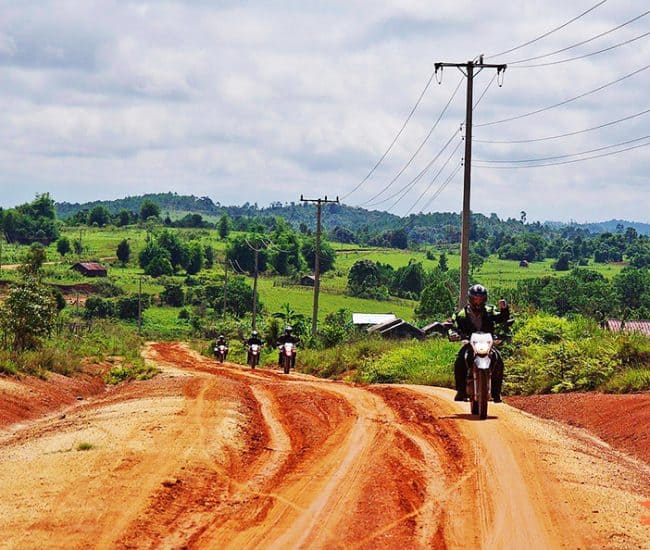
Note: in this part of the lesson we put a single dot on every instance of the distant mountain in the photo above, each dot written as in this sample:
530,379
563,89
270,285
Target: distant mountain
439,226
611,226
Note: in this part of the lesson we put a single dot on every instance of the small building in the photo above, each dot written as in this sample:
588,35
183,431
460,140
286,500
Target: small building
90,269
641,326
434,328
398,328
308,280
371,319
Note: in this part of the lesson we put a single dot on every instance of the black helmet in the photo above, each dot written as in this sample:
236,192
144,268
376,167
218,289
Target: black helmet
287,329
254,333
221,337
478,296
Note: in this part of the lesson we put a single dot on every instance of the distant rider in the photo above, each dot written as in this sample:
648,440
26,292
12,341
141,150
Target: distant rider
477,316
254,339
287,337
221,341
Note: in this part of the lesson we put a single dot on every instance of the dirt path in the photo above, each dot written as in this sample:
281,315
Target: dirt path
208,455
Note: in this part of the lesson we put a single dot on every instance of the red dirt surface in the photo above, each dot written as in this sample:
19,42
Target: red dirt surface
210,455
623,421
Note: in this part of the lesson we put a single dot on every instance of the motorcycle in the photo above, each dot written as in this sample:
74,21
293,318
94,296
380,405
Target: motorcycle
220,352
254,355
287,356
479,378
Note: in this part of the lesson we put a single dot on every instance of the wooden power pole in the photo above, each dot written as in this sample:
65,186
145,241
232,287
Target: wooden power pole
468,70
319,203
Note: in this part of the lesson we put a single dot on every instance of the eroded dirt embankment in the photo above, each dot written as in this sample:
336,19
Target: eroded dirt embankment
211,455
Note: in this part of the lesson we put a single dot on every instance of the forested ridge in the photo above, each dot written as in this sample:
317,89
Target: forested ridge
425,228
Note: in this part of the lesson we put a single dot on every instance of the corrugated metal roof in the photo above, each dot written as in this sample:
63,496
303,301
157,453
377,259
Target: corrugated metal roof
642,326
92,266
372,318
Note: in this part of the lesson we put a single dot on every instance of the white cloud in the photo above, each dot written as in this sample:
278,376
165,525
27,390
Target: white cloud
261,101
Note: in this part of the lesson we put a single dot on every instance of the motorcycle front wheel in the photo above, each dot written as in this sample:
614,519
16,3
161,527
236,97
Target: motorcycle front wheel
483,393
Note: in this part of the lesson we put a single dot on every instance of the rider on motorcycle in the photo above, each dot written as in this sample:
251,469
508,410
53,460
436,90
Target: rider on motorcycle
254,339
221,341
287,337
478,315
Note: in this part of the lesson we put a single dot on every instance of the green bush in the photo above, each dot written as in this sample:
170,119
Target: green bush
429,362
550,354
627,381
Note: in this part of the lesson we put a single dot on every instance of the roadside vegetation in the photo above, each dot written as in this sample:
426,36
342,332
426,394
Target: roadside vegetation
185,275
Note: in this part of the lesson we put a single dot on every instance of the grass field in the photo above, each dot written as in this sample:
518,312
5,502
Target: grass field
274,291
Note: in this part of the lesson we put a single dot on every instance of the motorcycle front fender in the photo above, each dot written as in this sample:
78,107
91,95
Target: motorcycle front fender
483,363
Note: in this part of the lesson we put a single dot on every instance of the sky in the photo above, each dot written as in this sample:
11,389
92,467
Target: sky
264,101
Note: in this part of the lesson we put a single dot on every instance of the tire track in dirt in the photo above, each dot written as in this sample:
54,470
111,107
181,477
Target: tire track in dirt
211,455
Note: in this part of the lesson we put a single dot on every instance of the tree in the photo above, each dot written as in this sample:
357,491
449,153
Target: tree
123,218
77,246
124,251
27,314
99,215
327,255
562,263
209,256
223,226
436,301
241,253
365,281
149,209
34,260
290,317
178,251
63,245
409,280
442,262
195,258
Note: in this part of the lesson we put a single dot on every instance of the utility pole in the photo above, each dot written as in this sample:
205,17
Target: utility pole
140,305
225,285
257,256
319,203
256,251
468,70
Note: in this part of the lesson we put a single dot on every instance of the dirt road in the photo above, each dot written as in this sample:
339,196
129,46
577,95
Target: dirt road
220,456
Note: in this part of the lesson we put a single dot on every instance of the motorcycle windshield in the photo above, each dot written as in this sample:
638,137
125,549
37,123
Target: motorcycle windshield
481,342
288,349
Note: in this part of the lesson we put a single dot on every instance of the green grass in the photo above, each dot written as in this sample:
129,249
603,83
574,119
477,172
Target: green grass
301,300
84,446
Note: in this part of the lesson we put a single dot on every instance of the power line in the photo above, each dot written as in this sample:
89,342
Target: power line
494,77
565,101
408,118
582,43
512,161
442,186
564,162
417,178
432,181
549,32
435,124
568,133
583,56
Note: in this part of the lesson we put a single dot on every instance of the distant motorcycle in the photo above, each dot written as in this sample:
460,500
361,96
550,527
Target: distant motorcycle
287,356
254,351
220,352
